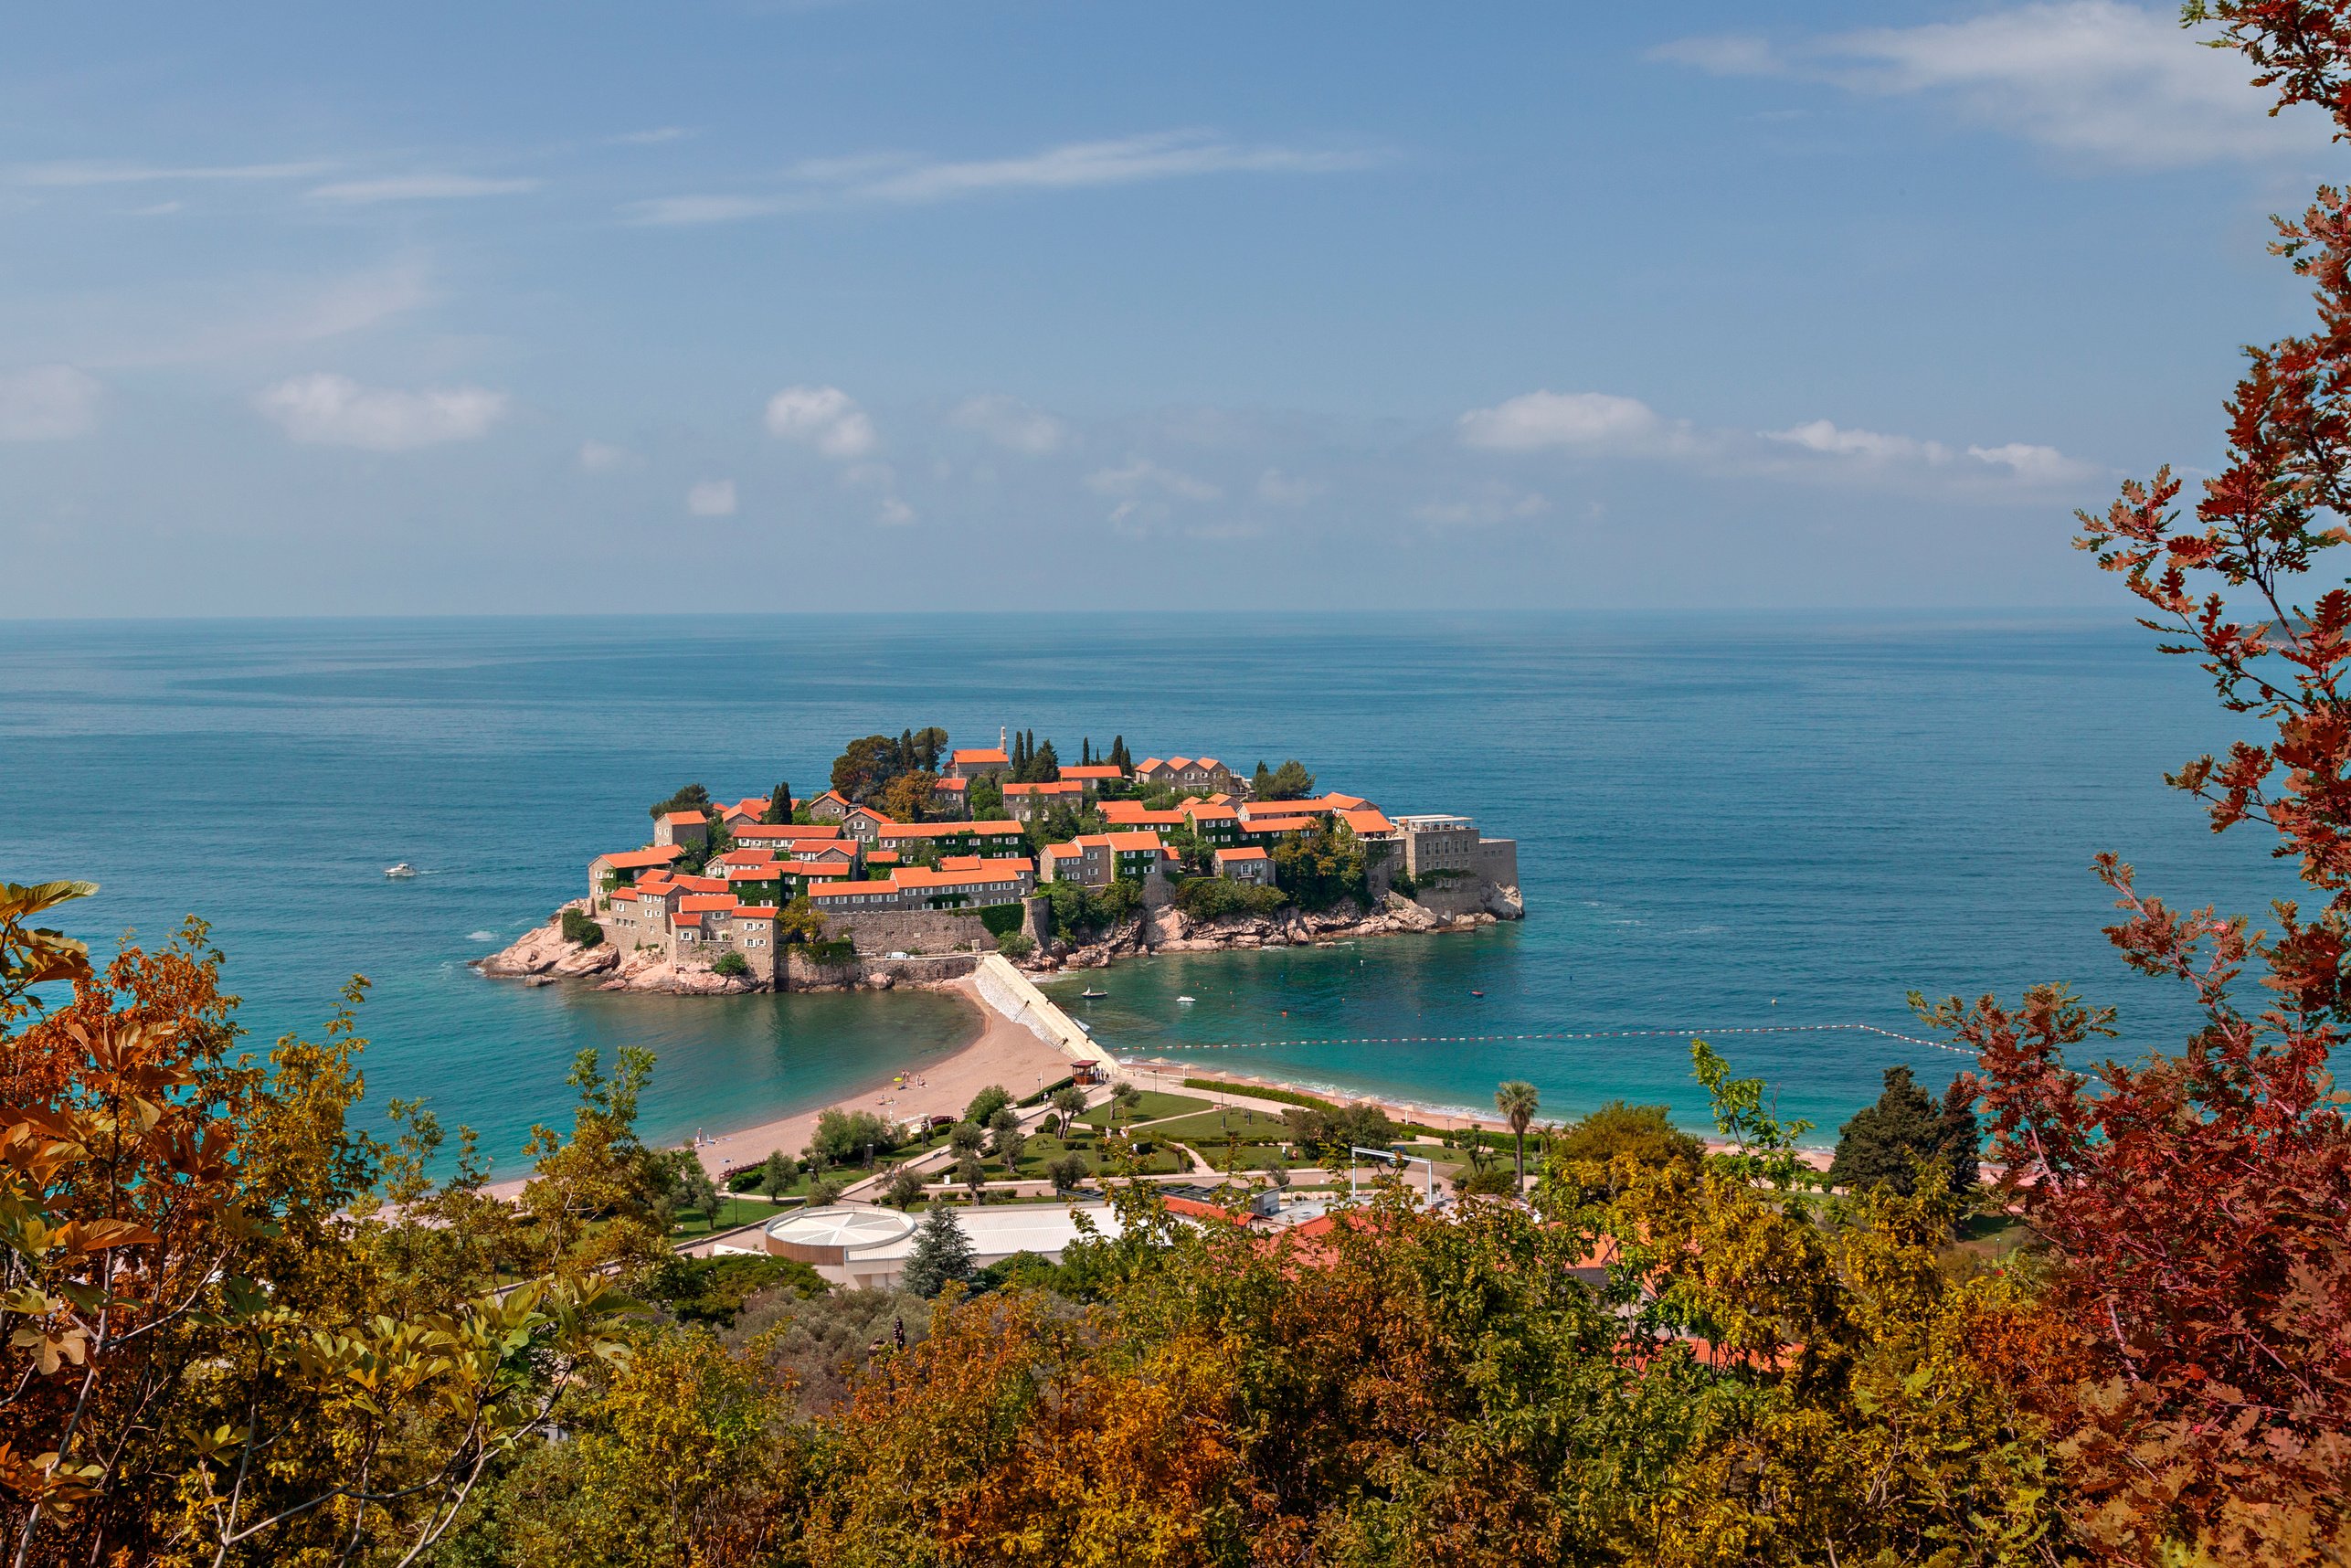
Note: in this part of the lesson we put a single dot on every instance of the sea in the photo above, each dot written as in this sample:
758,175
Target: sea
1764,829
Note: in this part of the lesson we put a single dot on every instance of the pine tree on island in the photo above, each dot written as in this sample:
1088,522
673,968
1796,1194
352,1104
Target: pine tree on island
942,1252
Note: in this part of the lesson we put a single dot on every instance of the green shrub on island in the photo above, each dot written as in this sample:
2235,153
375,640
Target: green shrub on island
693,798
1214,897
1002,919
905,1189
1290,781
1321,868
1337,1129
1265,1092
731,966
581,931
1016,945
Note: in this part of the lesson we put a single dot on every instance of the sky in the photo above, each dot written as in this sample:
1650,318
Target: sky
959,305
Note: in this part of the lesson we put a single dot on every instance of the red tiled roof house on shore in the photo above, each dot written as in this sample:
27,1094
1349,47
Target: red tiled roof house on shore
687,830
623,867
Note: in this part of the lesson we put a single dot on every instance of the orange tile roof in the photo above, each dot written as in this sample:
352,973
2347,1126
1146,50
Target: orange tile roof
959,863
756,912
881,857
756,832
1134,816
701,883
653,854
655,881
750,855
694,920
1005,829
981,754
1136,841
1202,811
1069,850
1060,786
1090,772
1150,762
959,785
1367,821
686,819
697,903
844,889
1002,871
1280,824
1251,853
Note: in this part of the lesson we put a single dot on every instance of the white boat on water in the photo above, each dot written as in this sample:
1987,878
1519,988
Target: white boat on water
1183,999
402,869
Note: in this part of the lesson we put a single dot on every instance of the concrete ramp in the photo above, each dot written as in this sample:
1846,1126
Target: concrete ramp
1012,994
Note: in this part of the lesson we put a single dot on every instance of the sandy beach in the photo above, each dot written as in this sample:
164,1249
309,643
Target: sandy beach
1003,1053
1160,1073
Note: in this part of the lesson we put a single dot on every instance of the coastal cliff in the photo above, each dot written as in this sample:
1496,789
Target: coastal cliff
544,955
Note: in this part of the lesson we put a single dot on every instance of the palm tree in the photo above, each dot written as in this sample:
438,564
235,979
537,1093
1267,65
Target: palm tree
1518,1102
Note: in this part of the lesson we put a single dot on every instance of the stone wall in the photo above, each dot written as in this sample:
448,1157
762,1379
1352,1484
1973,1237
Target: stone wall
922,972
913,931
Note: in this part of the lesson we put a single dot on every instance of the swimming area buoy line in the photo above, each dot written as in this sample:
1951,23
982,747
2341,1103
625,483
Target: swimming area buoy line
1578,1034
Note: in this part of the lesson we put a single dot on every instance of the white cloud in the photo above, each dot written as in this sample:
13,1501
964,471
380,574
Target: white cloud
1278,489
711,498
824,418
1868,446
334,410
1492,503
681,211
894,513
2017,461
48,403
2036,465
907,180
77,175
2117,82
651,138
1143,476
1011,424
419,187
603,457
1591,422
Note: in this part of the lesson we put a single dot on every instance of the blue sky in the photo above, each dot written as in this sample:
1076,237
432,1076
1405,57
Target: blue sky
902,303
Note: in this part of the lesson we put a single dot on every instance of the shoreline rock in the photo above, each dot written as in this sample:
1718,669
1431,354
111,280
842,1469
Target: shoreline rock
1171,931
542,956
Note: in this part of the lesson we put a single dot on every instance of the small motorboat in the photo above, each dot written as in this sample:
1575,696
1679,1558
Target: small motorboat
1090,994
1183,999
1478,993
401,868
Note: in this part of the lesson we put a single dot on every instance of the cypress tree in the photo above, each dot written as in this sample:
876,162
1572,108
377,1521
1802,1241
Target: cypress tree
1086,751
1884,1142
942,1252
1959,1141
779,804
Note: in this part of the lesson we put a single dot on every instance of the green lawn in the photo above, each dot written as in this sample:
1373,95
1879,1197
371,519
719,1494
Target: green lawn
1216,1124
1150,1107
734,1210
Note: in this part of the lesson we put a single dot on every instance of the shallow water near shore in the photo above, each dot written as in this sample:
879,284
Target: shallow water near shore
1723,822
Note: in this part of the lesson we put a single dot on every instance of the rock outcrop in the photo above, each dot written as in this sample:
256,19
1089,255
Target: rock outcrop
544,955
1171,931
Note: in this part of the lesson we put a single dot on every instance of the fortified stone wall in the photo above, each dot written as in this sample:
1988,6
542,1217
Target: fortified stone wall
923,972
916,932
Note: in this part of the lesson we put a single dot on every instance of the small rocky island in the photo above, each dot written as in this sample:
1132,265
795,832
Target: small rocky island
920,857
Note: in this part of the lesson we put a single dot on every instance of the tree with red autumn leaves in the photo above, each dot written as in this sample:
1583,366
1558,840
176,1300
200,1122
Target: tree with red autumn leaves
2192,1346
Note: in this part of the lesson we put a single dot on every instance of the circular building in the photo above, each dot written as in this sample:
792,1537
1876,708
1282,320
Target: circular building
834,1240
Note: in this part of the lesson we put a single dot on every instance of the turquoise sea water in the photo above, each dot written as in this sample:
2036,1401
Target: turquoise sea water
1722,821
